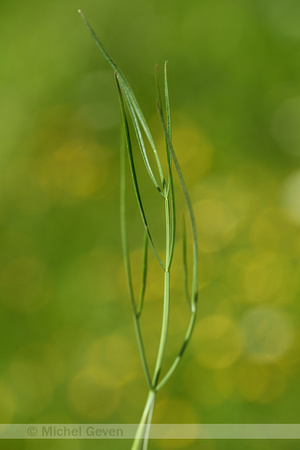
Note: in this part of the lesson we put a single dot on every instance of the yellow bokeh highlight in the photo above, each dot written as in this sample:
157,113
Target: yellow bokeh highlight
266,231
218,340
192,148
260,383
171,411
76,170
268,333
253,380
7,405
111,364
290,197
25,285
225,381
93,394
216,224
33,375
117,356
263,277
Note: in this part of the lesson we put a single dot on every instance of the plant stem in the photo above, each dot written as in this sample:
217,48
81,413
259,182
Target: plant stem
146,417
144,422
166,304
131,109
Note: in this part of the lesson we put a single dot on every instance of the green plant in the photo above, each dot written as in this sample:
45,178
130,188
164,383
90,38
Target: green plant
165,189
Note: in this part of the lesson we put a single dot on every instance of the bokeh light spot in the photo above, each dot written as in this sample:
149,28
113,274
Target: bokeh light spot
265,229
219,342
263,277
192,148
284,17
253,380
286,125
260,382
93,394
268,334
117,356
190,145
172,411
290,197
216,224
7,405
75,170
225,381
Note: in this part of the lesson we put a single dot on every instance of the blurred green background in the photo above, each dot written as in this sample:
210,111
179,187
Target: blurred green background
68,350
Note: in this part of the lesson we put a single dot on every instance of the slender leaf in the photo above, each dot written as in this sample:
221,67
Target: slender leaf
177,360
133,173
194,295
131,101
170,194
169,159
126,247
185,266
144,276
168,109
190,211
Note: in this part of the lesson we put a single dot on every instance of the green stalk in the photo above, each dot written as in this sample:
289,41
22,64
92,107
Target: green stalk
166,305
184,257
140,437
133,172
144,276
126,251
130,108
181,351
